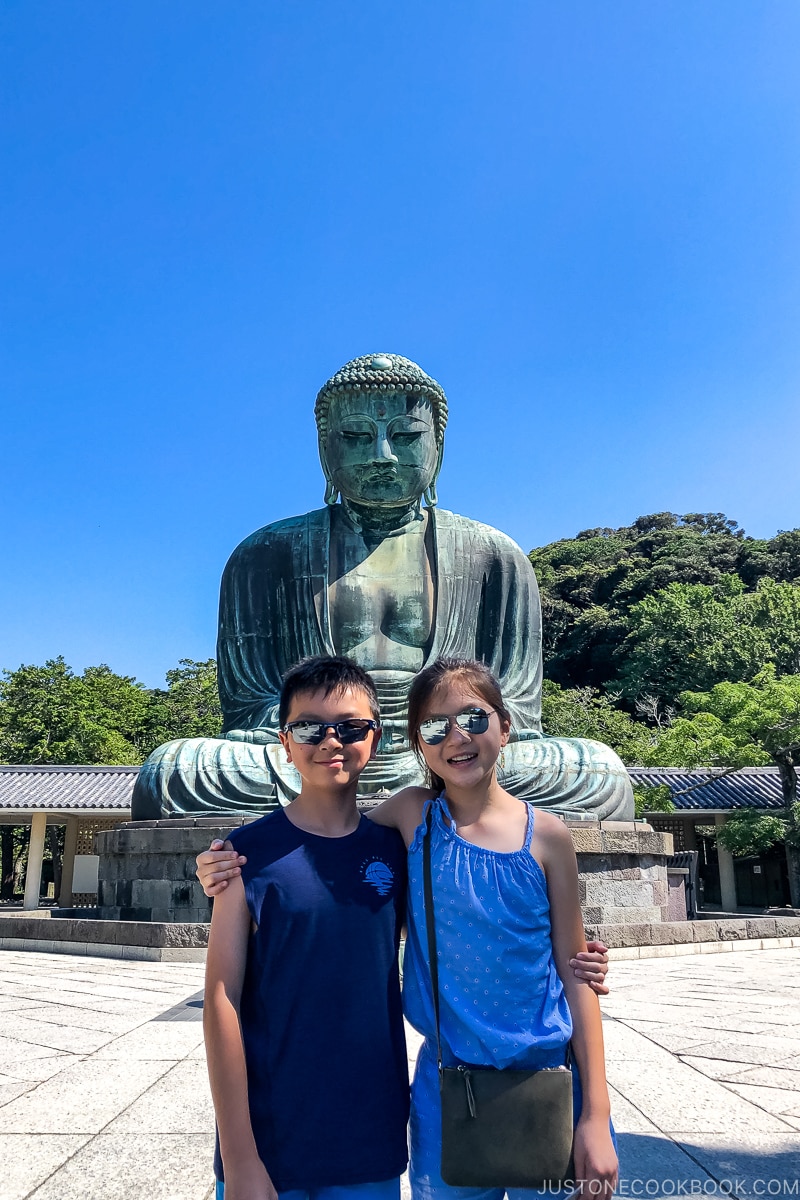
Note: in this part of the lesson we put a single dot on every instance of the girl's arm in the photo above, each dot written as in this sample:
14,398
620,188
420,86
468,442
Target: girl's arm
246,1177
402,811
594,1155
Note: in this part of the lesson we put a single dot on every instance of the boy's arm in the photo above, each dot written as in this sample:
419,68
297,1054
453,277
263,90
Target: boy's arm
246,1177
595,1158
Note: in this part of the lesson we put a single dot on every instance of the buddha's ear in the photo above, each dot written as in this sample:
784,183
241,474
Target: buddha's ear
430,496
331,491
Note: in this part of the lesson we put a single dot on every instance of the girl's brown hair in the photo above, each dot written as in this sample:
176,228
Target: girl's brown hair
472,674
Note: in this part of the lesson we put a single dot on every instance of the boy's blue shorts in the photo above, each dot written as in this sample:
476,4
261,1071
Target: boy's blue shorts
388,1190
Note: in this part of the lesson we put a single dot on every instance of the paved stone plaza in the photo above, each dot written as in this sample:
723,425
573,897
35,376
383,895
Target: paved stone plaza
104,1096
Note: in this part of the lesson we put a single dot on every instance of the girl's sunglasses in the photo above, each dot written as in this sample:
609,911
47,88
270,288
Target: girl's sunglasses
471,720
311,733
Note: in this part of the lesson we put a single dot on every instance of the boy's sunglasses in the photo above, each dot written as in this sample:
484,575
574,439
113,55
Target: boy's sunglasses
471,720
311,733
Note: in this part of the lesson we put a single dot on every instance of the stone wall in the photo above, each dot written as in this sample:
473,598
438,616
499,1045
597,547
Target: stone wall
147,869
622,872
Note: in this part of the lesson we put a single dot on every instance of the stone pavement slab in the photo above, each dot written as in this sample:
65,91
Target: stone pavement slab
104,1096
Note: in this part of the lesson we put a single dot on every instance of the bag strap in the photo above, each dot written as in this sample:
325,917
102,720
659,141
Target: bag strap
430,925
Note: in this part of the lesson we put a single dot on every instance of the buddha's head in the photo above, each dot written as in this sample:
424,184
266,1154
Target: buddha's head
381,422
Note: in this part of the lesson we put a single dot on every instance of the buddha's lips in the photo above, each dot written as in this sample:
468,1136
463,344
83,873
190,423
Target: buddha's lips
382,475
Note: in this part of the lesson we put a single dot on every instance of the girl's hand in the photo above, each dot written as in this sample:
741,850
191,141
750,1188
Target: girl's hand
591,966
596,1164
249,1181
217,865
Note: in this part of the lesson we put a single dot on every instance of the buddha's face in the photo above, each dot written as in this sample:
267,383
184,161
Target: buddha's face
381,447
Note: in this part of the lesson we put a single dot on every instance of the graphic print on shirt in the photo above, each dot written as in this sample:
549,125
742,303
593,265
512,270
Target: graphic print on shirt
378,874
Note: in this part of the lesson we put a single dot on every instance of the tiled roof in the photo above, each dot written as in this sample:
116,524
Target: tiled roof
90,789
749,787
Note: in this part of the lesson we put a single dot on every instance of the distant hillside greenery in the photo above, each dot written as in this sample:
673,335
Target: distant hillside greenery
666,605
676,640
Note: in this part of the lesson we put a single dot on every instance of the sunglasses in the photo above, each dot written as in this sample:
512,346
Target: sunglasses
311,733
471,720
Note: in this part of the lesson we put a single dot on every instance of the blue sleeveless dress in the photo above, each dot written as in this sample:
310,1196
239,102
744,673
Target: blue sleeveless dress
501,999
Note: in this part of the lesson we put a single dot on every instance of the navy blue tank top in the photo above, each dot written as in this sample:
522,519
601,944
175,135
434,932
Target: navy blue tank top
321,1013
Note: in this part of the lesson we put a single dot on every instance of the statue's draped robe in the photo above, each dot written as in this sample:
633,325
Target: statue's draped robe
274,612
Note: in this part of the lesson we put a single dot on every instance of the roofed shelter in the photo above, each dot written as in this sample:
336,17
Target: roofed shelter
86,800
703,797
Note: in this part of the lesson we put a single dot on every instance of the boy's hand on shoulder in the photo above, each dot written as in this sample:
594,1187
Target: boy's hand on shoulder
554,847
249,1181
217,865
591,966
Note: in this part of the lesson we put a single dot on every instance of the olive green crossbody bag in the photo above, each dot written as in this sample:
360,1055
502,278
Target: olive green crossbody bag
500,1128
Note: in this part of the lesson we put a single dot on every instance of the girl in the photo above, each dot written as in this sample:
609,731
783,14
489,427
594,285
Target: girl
508,922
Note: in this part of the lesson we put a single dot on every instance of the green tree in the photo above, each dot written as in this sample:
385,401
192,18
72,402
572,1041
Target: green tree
189,707
585,713
49,714
749,832
652,798
689,637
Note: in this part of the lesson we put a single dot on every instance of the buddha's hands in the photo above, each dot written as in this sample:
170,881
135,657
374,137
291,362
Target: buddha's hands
261,737
217,865
590,966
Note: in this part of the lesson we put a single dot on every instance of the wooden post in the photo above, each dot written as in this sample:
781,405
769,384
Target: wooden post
33,875
727,876
68,862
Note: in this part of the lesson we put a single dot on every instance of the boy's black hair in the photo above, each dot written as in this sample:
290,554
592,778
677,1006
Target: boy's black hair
326,673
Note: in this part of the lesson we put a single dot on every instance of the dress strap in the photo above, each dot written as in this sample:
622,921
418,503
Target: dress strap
529,827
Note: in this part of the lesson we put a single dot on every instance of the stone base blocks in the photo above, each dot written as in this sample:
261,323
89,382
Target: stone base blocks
147,869
673,938
144,940
622,872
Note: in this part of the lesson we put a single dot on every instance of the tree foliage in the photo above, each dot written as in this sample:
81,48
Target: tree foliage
586,713
654,798
591,583
189,707
49,714
689,637
749,832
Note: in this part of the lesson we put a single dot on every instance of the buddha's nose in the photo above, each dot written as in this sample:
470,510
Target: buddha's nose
383,450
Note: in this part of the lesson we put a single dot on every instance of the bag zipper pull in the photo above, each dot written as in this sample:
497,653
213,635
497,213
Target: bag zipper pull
465,1071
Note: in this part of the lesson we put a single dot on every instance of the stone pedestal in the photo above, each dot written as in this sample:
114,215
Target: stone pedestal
622,872
147,869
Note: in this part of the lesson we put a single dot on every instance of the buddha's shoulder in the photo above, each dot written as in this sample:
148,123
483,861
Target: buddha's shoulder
478,533
285,531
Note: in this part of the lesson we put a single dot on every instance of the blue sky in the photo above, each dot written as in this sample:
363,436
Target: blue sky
582,217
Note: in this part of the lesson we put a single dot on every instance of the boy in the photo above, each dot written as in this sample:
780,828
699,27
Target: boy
302,1016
